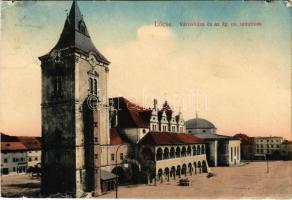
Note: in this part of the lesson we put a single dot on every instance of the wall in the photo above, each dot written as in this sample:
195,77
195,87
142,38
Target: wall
13,166
234,152
33,157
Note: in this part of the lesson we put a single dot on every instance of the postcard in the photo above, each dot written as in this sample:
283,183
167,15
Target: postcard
146,99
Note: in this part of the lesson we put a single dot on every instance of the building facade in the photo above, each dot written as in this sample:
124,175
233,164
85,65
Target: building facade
286,150
221,150
13,158
267,146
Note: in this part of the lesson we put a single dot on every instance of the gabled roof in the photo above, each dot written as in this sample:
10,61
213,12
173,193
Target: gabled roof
167,138
12,146
167,110
131,115
31,143
115,138
75,35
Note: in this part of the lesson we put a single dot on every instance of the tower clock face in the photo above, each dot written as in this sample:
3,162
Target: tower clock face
92,60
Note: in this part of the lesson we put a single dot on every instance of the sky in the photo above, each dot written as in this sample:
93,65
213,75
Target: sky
237,77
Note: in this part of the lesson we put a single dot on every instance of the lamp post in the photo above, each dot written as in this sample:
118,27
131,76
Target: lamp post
267,163
117,183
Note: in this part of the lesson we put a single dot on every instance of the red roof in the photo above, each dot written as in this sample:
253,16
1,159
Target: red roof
131,115
12,146
31,143
165,138
115,137
244,138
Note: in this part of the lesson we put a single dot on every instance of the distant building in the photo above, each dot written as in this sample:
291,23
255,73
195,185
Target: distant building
221,150
13,158
267,146
247,146
19,153
33,145
286,150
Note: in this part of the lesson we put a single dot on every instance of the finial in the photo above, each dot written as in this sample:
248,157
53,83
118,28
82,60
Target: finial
155,103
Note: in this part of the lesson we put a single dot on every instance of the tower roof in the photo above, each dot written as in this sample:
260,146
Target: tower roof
75,35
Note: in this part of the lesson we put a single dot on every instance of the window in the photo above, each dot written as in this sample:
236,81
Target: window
82,27
21,159
36,158
262,146
267,140
90,85
112,157
95,86
231,153
257,146
272,141
96,156
14,169
272,146
5,160
95,139
204,131
95,124
122,156
29,159
278,146
258,150
57,86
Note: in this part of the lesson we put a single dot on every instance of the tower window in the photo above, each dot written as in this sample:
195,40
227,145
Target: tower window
95,86
90,85
57,86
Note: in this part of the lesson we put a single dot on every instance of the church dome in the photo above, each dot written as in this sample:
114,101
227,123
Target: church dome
199,123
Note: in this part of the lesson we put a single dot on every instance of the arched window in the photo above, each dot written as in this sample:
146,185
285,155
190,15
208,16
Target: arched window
189,151
183,152
199,150
159,154
166,153
203,149
172,152
95,86
90,85
194,151
177,152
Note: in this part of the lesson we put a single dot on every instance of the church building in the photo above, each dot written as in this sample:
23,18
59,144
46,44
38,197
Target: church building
221,150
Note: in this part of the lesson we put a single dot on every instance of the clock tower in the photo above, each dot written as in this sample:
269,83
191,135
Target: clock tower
75,121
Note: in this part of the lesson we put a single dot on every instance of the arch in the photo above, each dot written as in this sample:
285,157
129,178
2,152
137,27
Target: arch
203,149
166,172
166,153
159,154
198,150
190,168
184,169
172,152
177,152
183,152
159,172
172,172
189,151
204,167
200,166
119,171
178,172
195,167
194,150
